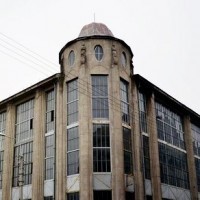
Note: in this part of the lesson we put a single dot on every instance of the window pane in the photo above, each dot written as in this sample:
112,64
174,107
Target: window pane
50,107
124,101
98,52
169,126
101,148
100,97
173,166
72,151
72,101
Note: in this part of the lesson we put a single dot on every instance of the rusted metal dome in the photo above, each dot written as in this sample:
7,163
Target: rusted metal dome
95,29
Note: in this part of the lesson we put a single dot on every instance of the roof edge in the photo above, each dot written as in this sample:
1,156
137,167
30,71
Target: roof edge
154,88
32,87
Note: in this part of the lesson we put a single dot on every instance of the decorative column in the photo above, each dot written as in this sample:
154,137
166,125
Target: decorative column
8,153
190,158
38,146
153,149
138,169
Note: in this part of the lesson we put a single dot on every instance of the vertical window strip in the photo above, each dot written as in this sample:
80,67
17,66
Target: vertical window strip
1,167
124,101
173,166
49,136
196,139
169,126
24,122
143,112
49,156
197,165
72,102
128,160
146,159
101,148
72,151
23,143
26,150
100,107
2,139
2,129
50,109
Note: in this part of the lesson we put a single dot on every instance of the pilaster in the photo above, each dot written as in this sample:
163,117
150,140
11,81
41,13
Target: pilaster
8,153
38,146
153,148
85,135
138,169
60,142
190,158
116,136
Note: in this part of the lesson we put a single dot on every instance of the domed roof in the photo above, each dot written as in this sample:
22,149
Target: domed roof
95,29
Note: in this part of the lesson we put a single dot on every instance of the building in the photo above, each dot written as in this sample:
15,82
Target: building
98,131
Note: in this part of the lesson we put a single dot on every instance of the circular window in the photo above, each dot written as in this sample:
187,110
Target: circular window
123,59
71,58
98,52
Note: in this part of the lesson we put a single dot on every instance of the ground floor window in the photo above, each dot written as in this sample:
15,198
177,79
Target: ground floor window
102,195
48,198
73,196
130,196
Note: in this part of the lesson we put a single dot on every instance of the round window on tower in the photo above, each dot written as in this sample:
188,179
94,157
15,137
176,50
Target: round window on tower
98,52
123,59
71,58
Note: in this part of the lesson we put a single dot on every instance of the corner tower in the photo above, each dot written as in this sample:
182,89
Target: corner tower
97,70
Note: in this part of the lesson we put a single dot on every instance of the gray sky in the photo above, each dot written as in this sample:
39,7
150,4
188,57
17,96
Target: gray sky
164,36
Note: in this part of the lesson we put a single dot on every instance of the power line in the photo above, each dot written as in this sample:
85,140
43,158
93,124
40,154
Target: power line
27,48
25,53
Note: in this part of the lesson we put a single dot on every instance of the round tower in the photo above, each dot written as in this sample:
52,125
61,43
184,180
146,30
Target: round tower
97,71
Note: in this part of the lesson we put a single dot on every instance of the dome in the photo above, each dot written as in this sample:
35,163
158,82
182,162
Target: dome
95,29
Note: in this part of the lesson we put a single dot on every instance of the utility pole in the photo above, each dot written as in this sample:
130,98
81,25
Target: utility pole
21,173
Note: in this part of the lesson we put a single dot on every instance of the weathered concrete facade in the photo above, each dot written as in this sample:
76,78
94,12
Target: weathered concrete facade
124,169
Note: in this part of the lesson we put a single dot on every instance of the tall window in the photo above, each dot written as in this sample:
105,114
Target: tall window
196,139
72,151
101,148
2,138
143,112
196,147
72,130
73,196
24,143
124,101
169,126
146,157
128,161
72,101
49,135
173,166
197,165
100,97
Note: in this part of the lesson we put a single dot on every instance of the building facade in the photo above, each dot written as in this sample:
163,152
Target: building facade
97,131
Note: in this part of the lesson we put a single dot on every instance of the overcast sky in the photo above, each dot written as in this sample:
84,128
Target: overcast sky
164,36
